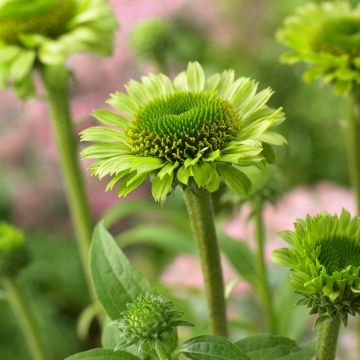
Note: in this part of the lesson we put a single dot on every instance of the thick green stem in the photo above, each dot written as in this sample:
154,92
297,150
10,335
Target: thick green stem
55,79
327,339
353,142
201,215
20,302
263,276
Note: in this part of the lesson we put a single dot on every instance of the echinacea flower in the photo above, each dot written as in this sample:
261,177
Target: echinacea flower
150,324
326,36
13,253
47,32
325,263
192,131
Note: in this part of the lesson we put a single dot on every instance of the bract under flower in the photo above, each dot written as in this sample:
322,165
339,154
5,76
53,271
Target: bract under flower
326,36
325,263
47,32
193,131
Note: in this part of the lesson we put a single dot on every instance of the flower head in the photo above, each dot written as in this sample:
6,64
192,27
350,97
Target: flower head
192,131
150,323
326,36
325,263
13,254
47,32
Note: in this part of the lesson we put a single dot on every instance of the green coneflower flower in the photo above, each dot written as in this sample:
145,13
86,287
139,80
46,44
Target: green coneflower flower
325,264
13,254
150,324
192,131
326,36
47,32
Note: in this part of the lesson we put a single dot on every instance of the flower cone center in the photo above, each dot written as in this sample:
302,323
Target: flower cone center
339,36
44,17
338,253
180,125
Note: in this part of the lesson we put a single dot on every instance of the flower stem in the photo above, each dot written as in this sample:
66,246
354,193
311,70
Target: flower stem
201,215
263,276
20,303
353,142
55,79
327,339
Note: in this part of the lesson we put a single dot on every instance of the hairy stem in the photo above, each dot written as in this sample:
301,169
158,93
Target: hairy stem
353,142
55,79
263,275
20,303
201,215
327,339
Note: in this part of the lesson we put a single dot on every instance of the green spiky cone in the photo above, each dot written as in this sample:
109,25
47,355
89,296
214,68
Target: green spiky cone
150,324
47,32
193,131
325,264
13,252
327,37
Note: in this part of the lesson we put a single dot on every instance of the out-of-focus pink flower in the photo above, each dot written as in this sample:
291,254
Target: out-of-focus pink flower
296,204
185,272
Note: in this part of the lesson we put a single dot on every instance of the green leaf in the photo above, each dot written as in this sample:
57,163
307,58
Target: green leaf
103,354
235,179
212,348
110,335
164,236
240,256
115,280
270,347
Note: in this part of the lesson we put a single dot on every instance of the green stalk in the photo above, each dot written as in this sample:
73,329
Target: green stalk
19,301
201,215
55,79
327,339
263,276
353,142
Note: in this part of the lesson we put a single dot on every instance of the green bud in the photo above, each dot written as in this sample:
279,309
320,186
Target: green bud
151,39
13,254
150,324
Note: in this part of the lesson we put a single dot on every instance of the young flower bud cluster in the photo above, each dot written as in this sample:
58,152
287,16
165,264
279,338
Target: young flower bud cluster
13,253
150,324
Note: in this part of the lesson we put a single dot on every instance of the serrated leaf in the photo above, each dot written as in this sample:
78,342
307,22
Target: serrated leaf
103,354
212,348
116,281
